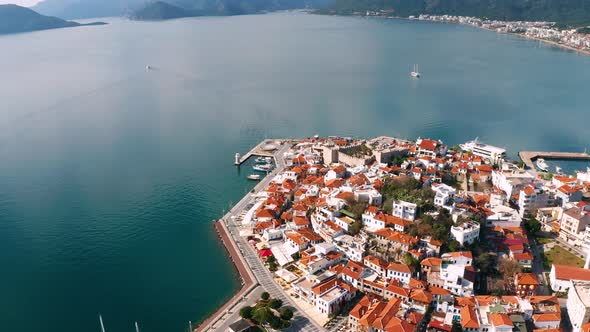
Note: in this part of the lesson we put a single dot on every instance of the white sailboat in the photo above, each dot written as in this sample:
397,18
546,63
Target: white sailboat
415,73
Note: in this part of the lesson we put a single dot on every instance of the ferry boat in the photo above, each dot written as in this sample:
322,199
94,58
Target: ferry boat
542,165
255,177
415,73
262,168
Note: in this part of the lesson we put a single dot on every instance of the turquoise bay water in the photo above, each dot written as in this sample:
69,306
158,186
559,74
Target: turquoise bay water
110,175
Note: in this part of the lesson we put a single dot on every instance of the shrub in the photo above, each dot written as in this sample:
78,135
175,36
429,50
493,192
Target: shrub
265,296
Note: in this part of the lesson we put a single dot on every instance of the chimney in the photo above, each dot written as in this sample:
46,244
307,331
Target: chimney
587,264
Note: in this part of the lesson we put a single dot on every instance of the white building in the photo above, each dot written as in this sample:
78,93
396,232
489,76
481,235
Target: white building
561,275
369,195
404,210
466,233
503,216
444,194
400,272
489,152
578,304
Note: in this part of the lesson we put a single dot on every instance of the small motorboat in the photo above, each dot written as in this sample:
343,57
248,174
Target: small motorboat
542,165
255,177
558,170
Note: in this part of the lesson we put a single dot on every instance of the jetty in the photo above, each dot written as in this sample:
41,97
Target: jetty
262,149
529,157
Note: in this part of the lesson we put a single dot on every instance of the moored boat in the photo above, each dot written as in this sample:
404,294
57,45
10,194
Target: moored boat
542,165
255,177
262,168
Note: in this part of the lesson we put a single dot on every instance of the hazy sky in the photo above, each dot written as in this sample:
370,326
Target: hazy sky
20,2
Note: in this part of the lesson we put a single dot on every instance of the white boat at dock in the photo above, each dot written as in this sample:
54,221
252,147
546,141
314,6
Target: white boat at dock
263,160
542,165
262,168
255,177
558,170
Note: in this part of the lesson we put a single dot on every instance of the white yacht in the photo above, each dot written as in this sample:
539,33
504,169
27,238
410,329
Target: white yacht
255,177
542,165
262,168
415,73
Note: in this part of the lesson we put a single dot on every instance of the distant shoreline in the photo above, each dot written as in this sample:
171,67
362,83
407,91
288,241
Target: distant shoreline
556,44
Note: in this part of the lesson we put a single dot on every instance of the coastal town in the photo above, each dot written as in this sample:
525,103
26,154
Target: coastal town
388,234
577,39
544,31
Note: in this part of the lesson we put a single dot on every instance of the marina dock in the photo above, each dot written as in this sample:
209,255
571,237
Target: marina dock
262,149
529,157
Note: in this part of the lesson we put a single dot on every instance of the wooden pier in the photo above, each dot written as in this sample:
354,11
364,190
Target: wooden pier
258,150
528,157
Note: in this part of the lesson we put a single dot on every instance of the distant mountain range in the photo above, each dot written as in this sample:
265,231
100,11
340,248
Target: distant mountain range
159,10
142,9
574,12
15,19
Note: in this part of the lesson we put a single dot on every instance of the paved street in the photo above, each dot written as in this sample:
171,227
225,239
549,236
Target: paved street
537,266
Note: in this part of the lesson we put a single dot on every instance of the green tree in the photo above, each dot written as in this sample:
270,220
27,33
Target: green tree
275,322
486,263
286,313
453,245
262,315
410,260
265,296
246,312
275,303
272,263
355,227
532,225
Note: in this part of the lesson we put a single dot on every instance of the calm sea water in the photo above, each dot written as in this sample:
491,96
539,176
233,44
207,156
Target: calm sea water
110,175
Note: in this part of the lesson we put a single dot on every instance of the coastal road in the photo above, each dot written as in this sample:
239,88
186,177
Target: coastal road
301,322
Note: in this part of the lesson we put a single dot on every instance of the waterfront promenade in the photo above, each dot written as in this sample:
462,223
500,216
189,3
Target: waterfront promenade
248,264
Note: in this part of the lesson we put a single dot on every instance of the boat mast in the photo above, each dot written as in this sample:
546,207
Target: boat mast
136,327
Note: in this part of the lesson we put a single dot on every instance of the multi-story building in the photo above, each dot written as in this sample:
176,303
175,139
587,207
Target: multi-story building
444,195
578,304
404,210
488,152
573,224
466,233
